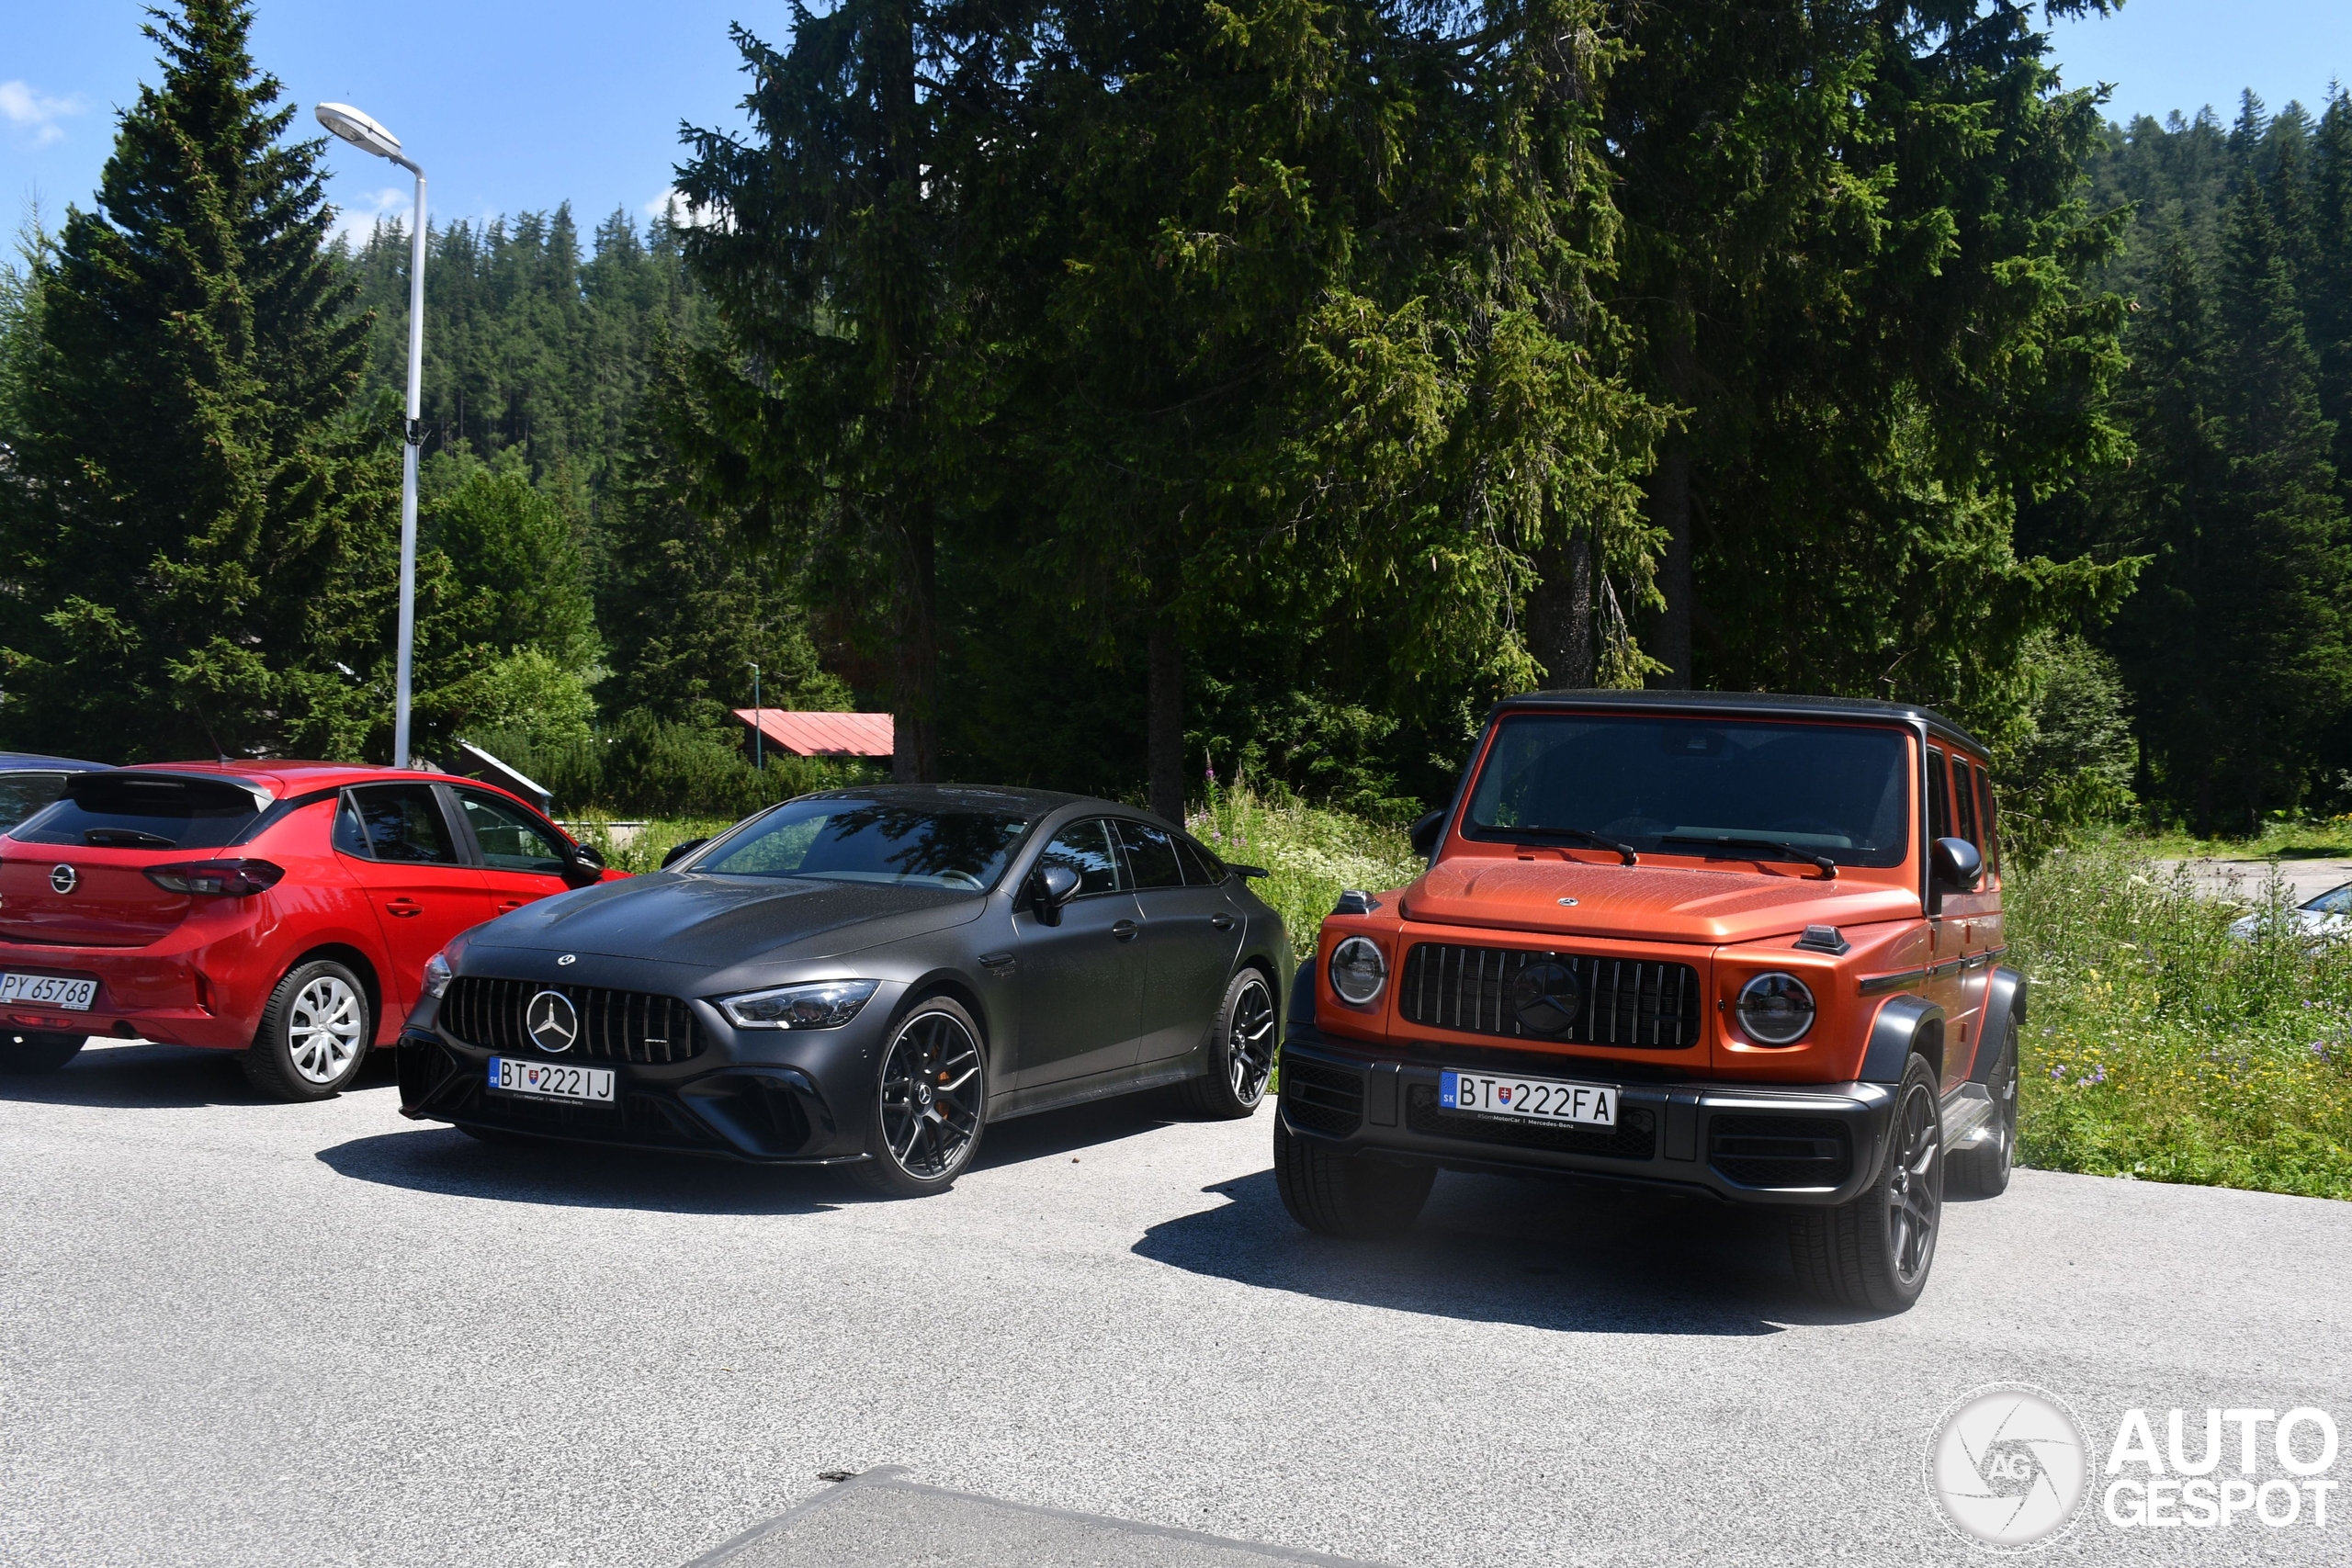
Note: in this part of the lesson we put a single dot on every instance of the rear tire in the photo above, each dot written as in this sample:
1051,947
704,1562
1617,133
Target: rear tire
314,1034
1875,1253
1983,1171
22,1055
1333,1193
1240,1049
924,1123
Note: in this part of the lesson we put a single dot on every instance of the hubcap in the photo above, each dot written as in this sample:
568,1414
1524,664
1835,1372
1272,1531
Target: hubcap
1915,1193
1249,1041
930,1096
325,1029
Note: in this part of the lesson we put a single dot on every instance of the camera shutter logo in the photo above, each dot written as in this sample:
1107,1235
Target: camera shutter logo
552,1021
2007,1467
63,878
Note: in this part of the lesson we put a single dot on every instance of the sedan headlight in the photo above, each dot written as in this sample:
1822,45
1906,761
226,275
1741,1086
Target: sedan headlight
1775,1008
1358,970
442,968
827,1004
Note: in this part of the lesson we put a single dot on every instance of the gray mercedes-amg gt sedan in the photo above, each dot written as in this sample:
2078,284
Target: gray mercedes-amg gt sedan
863,976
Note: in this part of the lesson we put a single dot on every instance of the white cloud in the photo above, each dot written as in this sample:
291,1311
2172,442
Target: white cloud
686,216
36,114
356,223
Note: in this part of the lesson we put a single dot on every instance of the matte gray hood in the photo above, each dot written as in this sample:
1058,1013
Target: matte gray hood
715,922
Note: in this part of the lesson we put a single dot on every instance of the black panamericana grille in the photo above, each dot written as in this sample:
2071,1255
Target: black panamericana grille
614,1026
1634,1137
1321,1098
1626,1003
1780,1151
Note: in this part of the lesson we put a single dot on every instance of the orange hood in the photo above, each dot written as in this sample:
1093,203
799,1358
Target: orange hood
1646,902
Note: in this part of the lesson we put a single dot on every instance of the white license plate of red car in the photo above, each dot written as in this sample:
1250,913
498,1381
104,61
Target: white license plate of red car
1528,1099
551,1080
49,991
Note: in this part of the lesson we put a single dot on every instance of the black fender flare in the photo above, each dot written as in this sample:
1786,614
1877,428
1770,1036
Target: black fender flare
2005,1002
1905,1025
1301,1011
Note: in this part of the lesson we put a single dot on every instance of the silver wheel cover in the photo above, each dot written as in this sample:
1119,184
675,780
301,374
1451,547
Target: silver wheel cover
325,1029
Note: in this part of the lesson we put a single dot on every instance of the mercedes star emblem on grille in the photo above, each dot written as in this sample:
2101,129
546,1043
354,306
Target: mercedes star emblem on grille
63,878
552,1021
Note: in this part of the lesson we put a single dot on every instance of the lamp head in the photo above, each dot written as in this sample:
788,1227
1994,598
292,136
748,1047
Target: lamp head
359,129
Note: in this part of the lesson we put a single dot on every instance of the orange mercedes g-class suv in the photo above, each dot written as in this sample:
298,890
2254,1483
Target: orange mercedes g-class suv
1745,945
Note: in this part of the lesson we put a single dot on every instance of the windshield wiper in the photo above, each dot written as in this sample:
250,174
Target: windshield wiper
1582,835
125,839
1781,850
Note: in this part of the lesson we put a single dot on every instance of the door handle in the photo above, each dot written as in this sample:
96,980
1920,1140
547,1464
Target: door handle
508,905
1124,931
999,962
1222,922
405,907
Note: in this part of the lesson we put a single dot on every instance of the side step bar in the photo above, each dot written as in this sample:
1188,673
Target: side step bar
1968,1116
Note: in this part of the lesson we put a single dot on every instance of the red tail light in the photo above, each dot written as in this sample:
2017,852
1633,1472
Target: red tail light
236,878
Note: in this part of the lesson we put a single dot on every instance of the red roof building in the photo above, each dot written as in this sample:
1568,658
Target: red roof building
823,734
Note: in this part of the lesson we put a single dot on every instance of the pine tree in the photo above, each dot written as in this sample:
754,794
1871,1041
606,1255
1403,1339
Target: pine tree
2329,291
186,482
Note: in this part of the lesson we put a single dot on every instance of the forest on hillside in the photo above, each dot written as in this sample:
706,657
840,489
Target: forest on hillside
1117,391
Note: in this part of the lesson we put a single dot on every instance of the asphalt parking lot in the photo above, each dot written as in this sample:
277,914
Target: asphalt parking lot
258,1334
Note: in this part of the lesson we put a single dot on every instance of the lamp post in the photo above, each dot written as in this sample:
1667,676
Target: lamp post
759,736
364,133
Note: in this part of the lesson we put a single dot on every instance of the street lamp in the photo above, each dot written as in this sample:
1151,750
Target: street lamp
759,736
369,137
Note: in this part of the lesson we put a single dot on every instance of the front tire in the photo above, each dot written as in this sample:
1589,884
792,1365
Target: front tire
1983,1171
1240,1051
1875,1253
924,1123
23,1055
1333,1193
314,1034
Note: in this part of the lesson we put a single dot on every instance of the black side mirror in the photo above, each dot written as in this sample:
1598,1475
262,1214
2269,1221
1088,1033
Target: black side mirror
1426,833
681,851
587,866
1957,866
1052,886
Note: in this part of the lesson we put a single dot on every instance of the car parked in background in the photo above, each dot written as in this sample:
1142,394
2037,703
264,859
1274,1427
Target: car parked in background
1746,947
284,910
2326,918
862,977
28,781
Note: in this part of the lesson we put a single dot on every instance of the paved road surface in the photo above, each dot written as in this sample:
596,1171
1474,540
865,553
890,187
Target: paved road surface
263,1334
2243,880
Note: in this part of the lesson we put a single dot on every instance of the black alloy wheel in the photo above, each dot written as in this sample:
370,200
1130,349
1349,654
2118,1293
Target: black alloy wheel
928,1104
1240,1051
1875,1253
23,1054
1983,1171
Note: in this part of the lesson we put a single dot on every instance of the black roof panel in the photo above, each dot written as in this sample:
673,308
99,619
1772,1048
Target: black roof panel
1748,705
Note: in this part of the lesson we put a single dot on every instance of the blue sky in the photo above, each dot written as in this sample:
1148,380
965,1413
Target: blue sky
519,104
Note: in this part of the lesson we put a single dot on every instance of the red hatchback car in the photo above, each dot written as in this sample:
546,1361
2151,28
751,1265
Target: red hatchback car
280,909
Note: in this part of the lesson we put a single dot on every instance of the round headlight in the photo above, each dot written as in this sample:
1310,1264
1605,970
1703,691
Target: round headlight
1358,971
1775,1008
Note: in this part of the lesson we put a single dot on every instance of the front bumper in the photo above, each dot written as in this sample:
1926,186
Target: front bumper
1802,1145
774,1097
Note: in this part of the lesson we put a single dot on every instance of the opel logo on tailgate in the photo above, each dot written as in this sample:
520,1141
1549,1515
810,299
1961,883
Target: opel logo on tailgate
552,1021
63,878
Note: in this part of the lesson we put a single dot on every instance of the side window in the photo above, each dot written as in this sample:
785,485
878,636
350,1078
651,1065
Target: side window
511,838
1984,812
1202,869
21,795
350,835
403,823
1963,782
1086,848
1939,796
1151,855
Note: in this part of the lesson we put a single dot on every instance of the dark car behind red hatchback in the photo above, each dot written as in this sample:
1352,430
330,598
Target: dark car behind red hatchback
284,910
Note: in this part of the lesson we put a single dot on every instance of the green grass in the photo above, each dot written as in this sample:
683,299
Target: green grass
2159,1048
1312,853
2328,839
643,849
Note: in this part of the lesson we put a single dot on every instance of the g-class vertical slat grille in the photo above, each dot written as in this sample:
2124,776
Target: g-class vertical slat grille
614,1026
1624,1001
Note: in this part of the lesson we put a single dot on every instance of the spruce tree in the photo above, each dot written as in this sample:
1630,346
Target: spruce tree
184,479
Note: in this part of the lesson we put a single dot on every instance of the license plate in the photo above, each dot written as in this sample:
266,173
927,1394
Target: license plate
592,1086
49,991
1528,1099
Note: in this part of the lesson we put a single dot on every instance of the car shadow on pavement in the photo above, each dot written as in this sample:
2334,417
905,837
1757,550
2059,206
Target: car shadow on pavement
1587,1259
448,1163
1071,1129
143,1076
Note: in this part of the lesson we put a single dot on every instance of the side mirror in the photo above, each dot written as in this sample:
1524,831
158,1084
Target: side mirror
1052,886
587,866
1426,833
1956,865
681,851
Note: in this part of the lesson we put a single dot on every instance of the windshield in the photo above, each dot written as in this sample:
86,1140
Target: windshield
126,811
867,840
1826,789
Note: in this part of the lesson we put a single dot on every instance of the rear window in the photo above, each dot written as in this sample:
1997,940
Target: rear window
125,811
